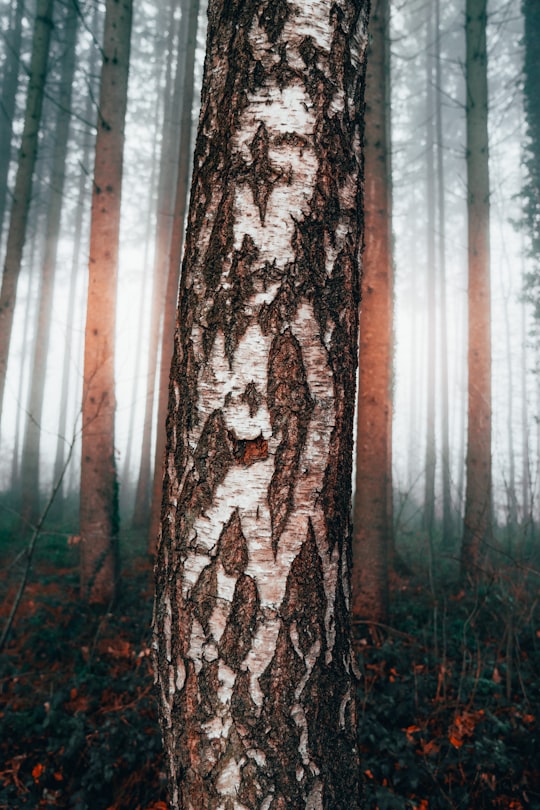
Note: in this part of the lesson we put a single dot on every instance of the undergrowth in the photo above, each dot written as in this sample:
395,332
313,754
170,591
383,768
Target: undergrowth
448,701
78,723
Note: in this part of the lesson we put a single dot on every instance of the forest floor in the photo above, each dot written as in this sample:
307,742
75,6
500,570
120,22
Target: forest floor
448,702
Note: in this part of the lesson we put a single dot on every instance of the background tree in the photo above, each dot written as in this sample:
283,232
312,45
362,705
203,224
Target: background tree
23,181
99,496
372,539
10,82
478,462
175,258
31,449
256,690
531,76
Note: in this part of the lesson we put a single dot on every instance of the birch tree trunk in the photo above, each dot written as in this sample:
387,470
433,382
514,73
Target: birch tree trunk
252,631
23,181
373,497
99,501
478,461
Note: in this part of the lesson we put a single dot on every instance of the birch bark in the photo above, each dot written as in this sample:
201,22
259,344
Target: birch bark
251,627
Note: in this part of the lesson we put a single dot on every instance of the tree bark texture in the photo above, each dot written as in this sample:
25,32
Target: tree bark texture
251,627
478,460
23,181
373,496
99,503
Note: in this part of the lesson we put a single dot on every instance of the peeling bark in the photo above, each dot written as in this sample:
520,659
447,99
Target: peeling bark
251,628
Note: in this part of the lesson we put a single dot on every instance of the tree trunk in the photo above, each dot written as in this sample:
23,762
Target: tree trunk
531,189
168,170
10,82
173,275
252,632
32,436
99,497
23,181
447,516
373,497
431,453
478,462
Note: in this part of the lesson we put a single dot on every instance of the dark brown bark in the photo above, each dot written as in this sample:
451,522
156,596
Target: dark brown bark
372,539
252,635
99,497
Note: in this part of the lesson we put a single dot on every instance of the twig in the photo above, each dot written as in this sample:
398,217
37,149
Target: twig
30,550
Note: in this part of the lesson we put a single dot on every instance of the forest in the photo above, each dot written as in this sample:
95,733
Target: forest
270,404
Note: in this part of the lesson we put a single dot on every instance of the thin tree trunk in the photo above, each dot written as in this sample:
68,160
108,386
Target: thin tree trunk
447,516
168,172
511,492
526,496
162,103
29,333
372,538
173,276
10,82
31,445
478,463
23,181
99,496
72,351
252,635
431,456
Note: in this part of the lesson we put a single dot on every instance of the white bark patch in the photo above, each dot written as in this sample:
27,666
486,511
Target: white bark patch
229,779
308,20
217,727
180,674
196,643
315,456
225,585
261,653
193,566
226,677
258,756
218,381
